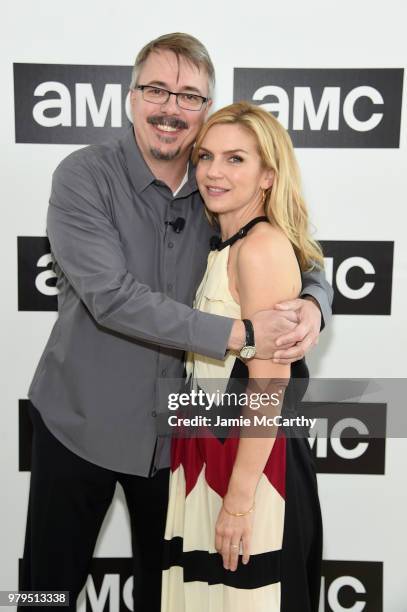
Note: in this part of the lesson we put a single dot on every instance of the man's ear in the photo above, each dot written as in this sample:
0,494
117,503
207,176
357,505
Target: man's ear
208,106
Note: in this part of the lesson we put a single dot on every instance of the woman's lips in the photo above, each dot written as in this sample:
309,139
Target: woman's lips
216,192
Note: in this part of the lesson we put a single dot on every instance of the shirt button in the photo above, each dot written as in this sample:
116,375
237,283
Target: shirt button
170,245
154,414
169,286
164,372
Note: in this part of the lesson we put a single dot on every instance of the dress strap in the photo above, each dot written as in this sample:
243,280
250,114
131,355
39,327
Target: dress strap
217,244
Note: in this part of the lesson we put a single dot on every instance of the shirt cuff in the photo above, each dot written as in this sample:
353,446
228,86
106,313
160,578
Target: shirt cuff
320,296
212,335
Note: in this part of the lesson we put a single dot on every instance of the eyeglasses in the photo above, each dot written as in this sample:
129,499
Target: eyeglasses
185,100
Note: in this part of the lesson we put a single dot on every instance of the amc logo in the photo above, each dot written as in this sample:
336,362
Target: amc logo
346,586
349,108
36,279
348,438
60,103
109,587
361,274
351,586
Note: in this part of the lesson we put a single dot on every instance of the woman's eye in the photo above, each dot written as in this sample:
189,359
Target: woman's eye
203,156
236,159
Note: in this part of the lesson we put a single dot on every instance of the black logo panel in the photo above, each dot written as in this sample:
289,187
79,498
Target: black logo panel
36,278
348,438
361,273
73,104
340,108
351,585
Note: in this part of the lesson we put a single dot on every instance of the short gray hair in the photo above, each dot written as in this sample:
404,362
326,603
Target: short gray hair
183,45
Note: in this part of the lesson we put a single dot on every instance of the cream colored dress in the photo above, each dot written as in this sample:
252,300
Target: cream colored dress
194,579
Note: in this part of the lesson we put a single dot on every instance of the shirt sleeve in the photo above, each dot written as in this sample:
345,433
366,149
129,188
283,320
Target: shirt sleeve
86,246
314,283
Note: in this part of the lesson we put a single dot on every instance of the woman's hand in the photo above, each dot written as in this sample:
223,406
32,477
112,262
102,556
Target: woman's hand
231,532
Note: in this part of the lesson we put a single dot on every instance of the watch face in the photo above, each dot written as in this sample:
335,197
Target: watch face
248,352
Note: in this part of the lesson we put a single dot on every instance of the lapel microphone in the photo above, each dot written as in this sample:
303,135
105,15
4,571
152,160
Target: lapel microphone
177,225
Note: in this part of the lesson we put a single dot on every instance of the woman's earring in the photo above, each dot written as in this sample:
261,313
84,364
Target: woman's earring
263,197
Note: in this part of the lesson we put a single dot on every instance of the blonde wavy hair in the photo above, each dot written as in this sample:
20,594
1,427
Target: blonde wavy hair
283,204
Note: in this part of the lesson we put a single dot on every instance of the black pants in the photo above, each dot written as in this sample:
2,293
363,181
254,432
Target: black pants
69,498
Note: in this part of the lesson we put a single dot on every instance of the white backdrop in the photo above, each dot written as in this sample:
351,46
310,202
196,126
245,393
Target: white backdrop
354,194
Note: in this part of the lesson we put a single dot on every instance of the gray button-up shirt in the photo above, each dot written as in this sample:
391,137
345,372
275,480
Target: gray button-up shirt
126,284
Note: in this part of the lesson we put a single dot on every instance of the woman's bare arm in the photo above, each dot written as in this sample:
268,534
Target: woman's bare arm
266,273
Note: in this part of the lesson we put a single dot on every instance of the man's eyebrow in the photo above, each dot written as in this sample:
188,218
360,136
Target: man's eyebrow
165,86
192,88
158,83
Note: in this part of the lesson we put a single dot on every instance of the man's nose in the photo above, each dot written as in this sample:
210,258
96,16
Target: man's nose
171,106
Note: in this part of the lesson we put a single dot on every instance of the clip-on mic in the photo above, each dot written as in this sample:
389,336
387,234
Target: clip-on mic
177,225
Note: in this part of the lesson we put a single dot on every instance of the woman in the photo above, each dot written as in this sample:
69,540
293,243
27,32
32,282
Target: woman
243,526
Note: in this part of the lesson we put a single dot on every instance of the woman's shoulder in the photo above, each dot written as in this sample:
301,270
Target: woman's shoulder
267,266
267,244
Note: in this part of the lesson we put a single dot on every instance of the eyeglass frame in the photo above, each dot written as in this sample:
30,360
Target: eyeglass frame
173,93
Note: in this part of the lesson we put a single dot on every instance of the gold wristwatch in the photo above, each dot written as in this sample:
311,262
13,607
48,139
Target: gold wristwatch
248,351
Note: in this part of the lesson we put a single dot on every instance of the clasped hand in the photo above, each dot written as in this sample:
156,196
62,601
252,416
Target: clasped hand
286,332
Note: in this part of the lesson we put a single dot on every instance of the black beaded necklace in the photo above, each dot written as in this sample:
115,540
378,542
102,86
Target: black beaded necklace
217,244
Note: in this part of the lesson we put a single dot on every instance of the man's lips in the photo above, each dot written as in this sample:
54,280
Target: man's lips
167,125
167,129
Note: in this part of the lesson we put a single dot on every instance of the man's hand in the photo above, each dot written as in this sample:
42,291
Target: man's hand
269,326
283,333
295,344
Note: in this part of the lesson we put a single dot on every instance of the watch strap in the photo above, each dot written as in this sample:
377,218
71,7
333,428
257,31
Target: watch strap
248,325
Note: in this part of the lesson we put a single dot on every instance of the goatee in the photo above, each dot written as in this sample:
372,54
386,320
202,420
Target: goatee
167,156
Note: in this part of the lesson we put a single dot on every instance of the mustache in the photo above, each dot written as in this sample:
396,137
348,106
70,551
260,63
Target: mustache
174,122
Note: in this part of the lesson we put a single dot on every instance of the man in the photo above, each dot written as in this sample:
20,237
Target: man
130,240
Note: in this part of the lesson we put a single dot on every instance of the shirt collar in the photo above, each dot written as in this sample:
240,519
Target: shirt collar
182,183
141,175
188,185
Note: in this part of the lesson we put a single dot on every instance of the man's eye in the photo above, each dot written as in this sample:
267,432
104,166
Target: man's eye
190,97
155,91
